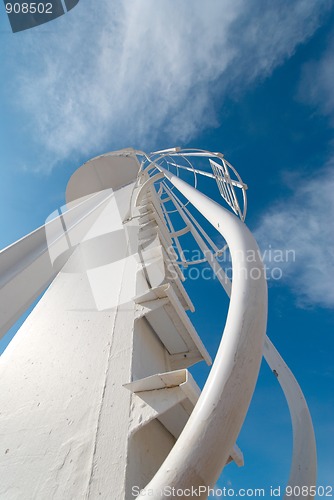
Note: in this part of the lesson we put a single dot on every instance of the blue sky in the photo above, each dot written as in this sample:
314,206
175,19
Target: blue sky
251,79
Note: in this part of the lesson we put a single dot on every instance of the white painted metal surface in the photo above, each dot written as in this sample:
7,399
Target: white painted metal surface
27,266
59,380
204,446
303,469
304,457
94,391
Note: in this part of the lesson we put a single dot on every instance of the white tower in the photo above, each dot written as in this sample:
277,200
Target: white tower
95,397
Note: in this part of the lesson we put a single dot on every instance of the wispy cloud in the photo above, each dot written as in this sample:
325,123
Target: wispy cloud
129,73
316,86
304,223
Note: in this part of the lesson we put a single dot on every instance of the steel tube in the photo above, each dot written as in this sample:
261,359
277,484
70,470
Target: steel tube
203,447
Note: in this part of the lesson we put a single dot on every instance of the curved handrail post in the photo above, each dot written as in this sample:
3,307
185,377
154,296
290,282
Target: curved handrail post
203,447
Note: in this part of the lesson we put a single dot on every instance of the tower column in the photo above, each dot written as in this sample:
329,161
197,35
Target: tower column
93,390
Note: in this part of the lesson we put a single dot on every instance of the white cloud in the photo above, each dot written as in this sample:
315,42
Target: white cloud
316,86
304,223
113,73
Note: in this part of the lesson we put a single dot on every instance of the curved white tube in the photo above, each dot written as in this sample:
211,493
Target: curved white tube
202,449
303,470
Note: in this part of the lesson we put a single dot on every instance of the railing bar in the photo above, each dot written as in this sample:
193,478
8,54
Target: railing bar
194,221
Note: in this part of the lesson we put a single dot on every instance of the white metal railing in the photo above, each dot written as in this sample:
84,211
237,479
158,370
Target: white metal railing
206,441
210,434
303,466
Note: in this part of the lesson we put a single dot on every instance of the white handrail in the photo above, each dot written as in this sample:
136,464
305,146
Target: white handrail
303,470
26,269
203,447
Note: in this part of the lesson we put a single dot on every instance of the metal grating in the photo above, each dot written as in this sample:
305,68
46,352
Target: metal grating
225,186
